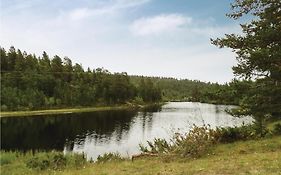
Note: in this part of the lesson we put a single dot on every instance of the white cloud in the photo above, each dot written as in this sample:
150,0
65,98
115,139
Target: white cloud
159,24
107,8
80,13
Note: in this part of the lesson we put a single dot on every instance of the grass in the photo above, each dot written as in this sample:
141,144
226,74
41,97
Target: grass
244,157
76,110
60,111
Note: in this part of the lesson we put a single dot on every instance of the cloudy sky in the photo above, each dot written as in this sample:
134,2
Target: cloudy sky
142,37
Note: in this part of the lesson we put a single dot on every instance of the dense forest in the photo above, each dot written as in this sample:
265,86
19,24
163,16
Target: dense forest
30,82
197,91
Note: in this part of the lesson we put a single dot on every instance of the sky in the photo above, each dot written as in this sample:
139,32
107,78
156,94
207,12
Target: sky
166,38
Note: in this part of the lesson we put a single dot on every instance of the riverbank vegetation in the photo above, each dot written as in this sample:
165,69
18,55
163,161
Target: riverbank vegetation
203,150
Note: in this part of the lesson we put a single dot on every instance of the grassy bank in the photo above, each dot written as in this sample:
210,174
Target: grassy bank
76,110
244,157
60,111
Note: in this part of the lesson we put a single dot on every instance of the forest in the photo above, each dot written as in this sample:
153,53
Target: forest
29,82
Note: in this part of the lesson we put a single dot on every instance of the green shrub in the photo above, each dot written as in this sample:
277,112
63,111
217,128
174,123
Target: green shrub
232,134
108,157
199,140
277,129
193,144
54,161
156,146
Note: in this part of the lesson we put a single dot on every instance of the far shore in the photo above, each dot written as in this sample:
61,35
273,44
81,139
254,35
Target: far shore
60,111
74,110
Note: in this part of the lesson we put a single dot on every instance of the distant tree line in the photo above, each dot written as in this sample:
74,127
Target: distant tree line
197,91
30,82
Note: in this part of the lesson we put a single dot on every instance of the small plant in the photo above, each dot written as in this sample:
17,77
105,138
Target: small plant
277,129
159,146
109,157
232,134
39,161
54,161
75,160
195,143
7,157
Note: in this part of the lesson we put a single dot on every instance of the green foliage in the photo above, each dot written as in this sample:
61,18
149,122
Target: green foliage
232,134
277,129
42,161
193,144
109,157
258,54
29,82
8,158
75,160
54,161
200,140
196,91
156,146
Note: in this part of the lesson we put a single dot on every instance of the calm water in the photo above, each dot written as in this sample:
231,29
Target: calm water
109,131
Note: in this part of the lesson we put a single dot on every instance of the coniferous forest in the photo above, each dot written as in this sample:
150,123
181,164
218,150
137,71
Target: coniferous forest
30,82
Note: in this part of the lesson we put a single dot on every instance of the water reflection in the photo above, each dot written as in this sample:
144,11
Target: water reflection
109,131
54,132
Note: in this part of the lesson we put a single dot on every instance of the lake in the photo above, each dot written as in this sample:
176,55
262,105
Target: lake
120,131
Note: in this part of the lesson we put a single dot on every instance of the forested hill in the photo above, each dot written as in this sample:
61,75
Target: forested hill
197,91
30,82
39,82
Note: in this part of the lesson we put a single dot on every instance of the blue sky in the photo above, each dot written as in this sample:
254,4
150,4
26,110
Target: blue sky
168,38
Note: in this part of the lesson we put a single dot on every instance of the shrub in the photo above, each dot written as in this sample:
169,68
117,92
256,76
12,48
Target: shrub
156,146
277,129
193,144
108,157
199,140
232,134
54,160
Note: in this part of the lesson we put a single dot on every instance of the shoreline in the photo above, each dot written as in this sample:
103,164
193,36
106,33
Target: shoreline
240,157
76,110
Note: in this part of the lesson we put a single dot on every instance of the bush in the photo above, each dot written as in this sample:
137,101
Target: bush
229,134
38,162
193,144
109,157
277,129
199,140
157,146
54,161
